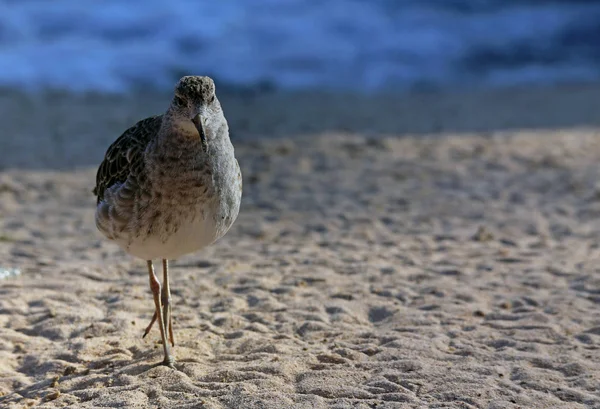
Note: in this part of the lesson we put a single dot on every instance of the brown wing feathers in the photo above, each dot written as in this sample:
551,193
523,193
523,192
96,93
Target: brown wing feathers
125,155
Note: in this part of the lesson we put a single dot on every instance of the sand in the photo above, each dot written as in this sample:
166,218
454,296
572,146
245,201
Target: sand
387,255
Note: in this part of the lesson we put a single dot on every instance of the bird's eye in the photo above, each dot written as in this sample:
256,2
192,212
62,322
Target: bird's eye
211,100
179,101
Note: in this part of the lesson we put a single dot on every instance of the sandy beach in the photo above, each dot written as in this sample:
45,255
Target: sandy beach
424,251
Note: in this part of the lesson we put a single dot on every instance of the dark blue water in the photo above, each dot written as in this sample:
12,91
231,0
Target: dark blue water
115,45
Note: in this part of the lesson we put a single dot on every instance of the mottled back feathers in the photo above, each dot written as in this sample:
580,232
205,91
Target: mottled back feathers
124,158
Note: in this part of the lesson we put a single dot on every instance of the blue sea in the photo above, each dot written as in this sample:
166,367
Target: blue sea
367,45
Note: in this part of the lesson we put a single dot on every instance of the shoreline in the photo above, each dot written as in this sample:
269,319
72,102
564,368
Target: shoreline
62,130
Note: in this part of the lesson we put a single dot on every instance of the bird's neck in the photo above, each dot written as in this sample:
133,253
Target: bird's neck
179,135
178,130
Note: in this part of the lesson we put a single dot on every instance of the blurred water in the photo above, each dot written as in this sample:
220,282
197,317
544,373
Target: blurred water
114,45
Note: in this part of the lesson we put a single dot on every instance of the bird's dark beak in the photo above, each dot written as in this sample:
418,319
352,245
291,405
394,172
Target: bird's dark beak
199,124
197,120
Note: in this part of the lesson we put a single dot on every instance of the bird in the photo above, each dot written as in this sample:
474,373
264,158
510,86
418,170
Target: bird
170,185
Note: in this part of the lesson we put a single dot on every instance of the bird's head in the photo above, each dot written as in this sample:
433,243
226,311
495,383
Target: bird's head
195,100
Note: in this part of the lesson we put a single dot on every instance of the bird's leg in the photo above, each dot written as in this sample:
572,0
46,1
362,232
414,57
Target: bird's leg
149,327
155,287
166,306
166,300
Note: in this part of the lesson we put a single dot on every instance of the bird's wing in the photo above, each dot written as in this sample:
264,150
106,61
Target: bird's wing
125,156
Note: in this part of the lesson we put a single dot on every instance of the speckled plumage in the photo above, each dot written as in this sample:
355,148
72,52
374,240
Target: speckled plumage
159,175
170,185
124,157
